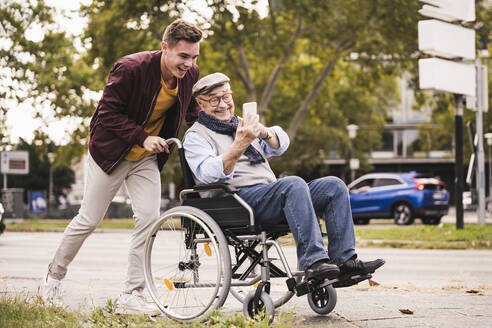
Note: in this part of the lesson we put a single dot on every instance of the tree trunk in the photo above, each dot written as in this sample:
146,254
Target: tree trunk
249,84
272,81
303,109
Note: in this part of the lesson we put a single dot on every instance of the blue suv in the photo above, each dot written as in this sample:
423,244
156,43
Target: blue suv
401,196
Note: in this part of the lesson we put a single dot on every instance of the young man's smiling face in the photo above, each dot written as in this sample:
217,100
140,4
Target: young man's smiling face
178,59
224,110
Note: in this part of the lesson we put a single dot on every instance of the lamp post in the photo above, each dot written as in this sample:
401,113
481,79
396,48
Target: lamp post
354,162
488,136
51,196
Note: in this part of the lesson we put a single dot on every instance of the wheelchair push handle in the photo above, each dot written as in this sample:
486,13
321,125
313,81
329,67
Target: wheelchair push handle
175,141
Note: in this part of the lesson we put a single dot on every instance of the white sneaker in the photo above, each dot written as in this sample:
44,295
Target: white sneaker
135,303
52,292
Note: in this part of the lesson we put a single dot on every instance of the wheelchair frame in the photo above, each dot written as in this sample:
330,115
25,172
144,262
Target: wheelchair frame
229,221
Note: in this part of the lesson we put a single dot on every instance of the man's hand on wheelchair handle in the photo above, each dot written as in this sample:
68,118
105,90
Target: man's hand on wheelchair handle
155,144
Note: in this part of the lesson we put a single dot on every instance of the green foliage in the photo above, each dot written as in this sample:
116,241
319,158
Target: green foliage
313,66
48,73
121,27
17,312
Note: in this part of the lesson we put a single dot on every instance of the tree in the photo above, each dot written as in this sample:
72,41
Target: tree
313,66
49,73
331,30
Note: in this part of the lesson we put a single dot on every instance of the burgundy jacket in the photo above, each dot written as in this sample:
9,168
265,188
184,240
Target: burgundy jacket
127,103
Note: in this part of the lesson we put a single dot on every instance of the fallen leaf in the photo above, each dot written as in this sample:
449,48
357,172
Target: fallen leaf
473,291
373,283
406,311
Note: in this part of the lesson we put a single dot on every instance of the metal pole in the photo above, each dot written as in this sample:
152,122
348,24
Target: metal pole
480,154
487,209
458,159
352,171
51,196
5,181
490,173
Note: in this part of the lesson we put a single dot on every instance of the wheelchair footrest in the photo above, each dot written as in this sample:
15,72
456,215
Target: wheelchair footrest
351,280
303,288
291,284
306,287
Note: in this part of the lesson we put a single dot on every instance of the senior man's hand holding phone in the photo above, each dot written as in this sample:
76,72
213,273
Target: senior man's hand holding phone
251,117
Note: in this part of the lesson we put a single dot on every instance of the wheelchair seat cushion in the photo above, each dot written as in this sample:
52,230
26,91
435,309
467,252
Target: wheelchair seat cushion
230,214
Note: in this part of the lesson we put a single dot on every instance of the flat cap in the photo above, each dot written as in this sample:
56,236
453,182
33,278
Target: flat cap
207,83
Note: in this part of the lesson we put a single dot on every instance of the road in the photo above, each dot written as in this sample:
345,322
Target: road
443,288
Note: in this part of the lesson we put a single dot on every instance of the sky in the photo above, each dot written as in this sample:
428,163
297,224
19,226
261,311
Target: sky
20,119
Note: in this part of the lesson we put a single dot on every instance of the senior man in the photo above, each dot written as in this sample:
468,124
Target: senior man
221,147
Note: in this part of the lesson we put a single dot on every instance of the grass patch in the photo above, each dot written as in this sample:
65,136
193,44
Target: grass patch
17,312
445,236
47,225
37,225
473,236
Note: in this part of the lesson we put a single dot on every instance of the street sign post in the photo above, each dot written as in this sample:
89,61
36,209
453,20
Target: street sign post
449,10
13,162
445,40
447,76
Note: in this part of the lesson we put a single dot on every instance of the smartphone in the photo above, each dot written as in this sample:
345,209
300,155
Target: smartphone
249,109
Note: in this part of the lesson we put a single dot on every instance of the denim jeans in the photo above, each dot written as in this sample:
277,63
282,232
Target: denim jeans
293,201
331,200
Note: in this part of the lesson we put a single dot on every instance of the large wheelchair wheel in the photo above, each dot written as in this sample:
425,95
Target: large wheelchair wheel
323,300
279,293
187,264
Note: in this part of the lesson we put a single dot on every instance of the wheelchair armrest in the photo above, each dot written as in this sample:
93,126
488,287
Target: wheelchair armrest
213,186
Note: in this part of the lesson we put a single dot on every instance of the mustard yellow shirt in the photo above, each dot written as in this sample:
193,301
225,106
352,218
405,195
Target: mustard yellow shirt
165,100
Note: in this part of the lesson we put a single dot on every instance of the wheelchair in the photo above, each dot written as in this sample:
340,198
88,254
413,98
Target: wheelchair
199,252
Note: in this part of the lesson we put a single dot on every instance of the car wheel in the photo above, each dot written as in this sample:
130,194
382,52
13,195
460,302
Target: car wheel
435,220
361,221
403,214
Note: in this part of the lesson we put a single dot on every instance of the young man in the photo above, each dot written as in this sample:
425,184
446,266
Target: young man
147,96
222,147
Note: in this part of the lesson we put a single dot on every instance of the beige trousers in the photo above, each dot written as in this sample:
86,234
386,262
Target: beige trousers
142,180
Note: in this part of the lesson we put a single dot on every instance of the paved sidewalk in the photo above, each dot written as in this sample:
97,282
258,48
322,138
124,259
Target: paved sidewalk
443,288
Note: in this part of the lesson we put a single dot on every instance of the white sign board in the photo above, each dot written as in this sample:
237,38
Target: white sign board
449,10
14,162
448,76
446,40
354,163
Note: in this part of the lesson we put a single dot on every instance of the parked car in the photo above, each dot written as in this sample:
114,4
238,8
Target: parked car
2,225
401,196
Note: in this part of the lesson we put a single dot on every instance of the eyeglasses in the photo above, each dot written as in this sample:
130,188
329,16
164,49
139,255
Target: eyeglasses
214,101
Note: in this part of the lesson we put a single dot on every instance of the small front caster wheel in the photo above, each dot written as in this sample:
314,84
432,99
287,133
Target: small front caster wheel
323,300
258,310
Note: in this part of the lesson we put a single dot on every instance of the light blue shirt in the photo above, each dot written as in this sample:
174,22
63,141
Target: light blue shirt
209,168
